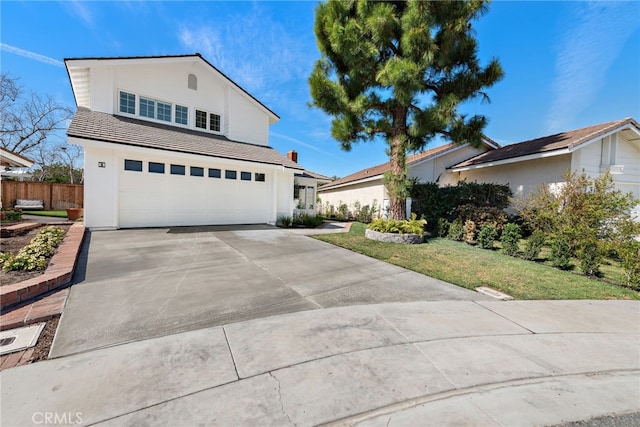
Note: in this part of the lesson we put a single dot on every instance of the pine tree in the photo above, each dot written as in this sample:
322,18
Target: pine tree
399,70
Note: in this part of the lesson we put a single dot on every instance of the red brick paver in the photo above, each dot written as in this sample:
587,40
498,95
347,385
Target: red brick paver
40,310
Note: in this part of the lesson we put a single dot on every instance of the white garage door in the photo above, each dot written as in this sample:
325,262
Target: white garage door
189,195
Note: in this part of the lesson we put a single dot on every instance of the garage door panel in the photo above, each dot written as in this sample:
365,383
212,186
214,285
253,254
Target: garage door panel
162,200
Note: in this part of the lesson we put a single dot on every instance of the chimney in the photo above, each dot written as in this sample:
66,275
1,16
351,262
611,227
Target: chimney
293,156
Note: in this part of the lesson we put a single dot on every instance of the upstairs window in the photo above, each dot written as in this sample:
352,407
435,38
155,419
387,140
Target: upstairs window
155,109
209,121
182,115
127,103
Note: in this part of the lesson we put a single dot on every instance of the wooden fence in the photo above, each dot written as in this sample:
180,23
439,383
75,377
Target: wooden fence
55,196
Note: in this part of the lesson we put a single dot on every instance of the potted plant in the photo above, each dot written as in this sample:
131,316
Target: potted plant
74,213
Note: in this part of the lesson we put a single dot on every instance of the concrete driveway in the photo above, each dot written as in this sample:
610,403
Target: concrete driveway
155,336
148,283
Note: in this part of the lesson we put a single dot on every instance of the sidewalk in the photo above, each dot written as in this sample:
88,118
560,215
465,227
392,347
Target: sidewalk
421,363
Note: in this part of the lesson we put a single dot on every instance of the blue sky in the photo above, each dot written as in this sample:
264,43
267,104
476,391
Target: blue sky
567,64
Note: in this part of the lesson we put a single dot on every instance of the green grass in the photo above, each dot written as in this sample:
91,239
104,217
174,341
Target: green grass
471,267
58,214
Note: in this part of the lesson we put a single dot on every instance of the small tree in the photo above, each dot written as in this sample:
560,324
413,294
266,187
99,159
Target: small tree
27,120
399,70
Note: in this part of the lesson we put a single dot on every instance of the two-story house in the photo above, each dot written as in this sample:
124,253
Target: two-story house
171,140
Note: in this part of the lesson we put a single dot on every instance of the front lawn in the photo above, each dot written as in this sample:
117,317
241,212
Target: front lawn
58,214
471,267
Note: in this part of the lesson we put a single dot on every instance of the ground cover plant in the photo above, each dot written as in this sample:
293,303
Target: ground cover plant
471,267
36,254
408,226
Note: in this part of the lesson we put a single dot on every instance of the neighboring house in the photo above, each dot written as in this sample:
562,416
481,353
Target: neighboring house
14,165
171,140
612,146
367,186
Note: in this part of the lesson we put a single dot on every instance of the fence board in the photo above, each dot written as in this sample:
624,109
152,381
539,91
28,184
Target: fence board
55,196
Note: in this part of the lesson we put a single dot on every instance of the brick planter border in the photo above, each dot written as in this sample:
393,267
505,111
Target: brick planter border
57,274
410,239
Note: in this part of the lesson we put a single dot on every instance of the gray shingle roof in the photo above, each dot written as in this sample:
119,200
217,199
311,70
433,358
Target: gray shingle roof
561,141
97,126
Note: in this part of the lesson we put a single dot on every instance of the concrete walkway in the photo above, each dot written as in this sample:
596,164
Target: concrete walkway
517,363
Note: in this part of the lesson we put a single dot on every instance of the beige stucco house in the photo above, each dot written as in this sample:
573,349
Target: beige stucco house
612,146
367,186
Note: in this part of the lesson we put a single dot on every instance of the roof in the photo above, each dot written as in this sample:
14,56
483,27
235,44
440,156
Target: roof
11,159
559,143
309,174
379,170
97,126
84,86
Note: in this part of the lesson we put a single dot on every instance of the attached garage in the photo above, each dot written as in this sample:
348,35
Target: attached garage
150,181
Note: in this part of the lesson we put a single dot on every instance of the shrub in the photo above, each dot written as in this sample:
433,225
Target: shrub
11,216
436,202
469,232
590,257
343,211
307,220
487,236
364,213
534,245
443,227
510,239
409,226
284,221
561,253
482,215
456,230
629,254
34,255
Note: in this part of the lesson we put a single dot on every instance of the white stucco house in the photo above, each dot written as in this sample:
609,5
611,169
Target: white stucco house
171,140
367,185
612,146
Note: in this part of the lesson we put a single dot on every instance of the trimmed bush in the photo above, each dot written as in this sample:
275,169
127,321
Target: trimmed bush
443,227
469,232
534,245
510,239
561,253
487,236
456,230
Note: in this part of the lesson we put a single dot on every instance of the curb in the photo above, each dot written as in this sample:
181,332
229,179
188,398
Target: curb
58,273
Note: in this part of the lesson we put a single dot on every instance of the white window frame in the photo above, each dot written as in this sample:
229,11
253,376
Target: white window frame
208,125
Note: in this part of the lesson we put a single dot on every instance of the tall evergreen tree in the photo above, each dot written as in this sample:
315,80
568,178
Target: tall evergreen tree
399,69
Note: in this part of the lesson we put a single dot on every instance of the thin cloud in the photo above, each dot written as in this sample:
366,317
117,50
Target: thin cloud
304,144
31,55
252,49
587,50
81,10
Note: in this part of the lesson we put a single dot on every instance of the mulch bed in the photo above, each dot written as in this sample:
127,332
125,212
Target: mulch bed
41,350
14,244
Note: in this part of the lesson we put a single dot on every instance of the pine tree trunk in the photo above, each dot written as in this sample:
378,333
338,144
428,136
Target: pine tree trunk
396,181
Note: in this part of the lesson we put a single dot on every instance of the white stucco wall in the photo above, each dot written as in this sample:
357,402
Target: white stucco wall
435,169
116,198
242,119
522,177
365,193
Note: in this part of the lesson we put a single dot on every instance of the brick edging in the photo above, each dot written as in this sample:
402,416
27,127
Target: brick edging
58,273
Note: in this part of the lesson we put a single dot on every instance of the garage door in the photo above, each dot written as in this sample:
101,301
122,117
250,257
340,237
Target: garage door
151,195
